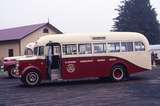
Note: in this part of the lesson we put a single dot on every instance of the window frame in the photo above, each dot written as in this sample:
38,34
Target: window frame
45,30
65,52
10,52
113,42
35,51
101,44
41,53
127,50
140,48
91,48
27,51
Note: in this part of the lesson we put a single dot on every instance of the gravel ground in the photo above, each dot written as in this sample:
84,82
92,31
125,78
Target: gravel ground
141,89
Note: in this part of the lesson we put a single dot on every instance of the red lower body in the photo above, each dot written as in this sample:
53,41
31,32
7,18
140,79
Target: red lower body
73,68
81,67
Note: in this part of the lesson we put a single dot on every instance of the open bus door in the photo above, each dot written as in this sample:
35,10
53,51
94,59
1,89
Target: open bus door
53,60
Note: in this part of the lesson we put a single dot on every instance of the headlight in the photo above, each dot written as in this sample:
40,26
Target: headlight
2,67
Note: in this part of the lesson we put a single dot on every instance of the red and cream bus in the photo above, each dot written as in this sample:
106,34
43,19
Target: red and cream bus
75,56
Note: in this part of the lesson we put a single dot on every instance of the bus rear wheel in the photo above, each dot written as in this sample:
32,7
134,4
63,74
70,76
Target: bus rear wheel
118,73
31,78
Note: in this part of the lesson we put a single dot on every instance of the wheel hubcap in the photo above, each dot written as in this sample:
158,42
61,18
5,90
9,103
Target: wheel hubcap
13,72
32,78
118,73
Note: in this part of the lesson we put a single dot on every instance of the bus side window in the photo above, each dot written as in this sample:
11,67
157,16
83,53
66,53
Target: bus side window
56,50
85,48
139,46
69,49
99,47
113,47
126,46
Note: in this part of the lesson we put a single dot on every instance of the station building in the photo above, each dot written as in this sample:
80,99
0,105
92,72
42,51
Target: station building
14,40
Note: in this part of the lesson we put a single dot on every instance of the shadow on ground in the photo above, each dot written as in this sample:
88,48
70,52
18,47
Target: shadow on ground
85,82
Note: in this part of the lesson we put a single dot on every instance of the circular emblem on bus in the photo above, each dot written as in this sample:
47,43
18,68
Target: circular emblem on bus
70,68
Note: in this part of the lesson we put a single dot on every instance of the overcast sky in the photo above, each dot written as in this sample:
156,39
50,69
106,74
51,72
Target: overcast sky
67,15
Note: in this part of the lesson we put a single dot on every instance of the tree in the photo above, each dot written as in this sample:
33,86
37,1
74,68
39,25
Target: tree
138,16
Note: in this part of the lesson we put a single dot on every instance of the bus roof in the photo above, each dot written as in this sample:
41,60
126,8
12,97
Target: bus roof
92,37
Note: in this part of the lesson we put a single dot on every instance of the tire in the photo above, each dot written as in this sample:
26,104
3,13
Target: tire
118,73
31,78
11,72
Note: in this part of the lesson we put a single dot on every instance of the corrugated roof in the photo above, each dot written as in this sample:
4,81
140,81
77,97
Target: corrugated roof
20,32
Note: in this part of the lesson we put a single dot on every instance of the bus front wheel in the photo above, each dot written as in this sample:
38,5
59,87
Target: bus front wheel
11,72
118,73
31,78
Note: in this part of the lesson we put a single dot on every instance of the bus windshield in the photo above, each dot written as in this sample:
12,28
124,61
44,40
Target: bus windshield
35,50
28,51
41,51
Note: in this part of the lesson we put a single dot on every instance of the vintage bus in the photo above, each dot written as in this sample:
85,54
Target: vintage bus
75,56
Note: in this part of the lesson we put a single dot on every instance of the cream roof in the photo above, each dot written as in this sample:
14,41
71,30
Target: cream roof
87,37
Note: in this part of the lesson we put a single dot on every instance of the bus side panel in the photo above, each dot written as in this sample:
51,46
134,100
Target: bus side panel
130,67
102,67
84,67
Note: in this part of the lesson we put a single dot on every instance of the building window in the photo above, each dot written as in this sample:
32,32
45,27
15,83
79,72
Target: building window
10,52
45,30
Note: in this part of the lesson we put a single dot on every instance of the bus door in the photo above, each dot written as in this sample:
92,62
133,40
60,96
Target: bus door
53,60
